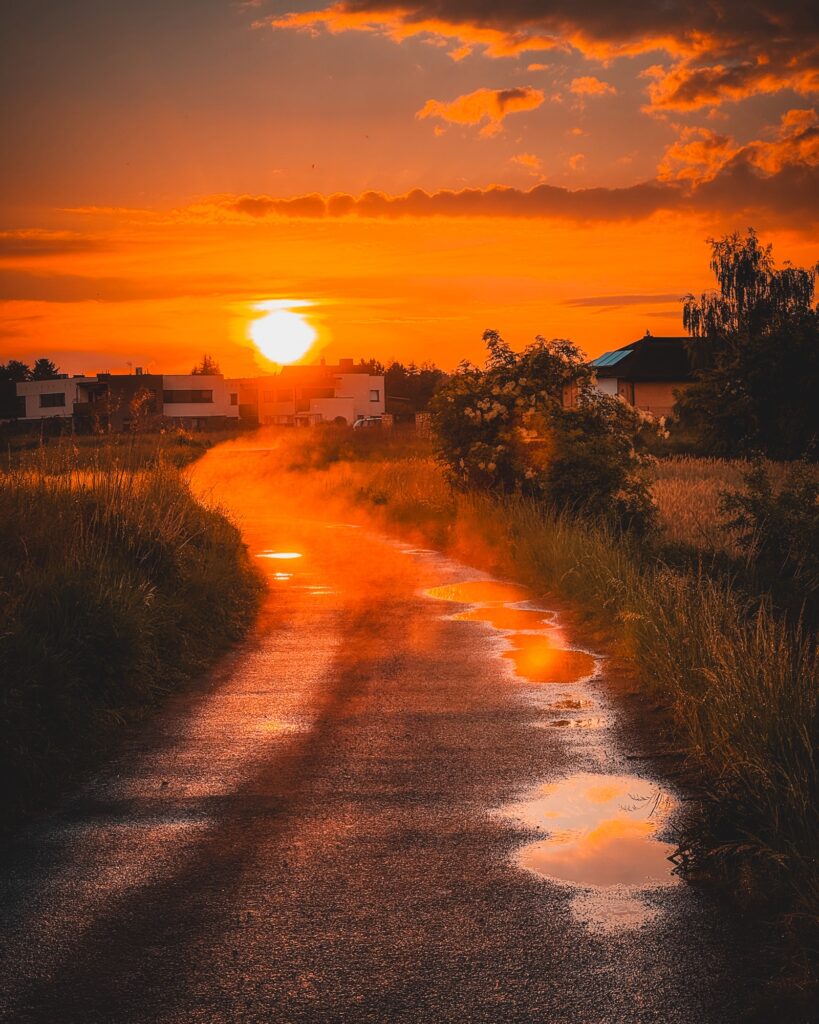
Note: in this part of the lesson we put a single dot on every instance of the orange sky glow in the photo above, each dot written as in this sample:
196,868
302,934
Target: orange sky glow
405,176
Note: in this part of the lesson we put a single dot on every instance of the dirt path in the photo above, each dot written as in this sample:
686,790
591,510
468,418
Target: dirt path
379,808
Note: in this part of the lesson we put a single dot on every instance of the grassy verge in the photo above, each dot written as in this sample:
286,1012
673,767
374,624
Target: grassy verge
116,585
739,681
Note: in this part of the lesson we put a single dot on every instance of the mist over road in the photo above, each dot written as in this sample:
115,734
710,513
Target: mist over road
315,835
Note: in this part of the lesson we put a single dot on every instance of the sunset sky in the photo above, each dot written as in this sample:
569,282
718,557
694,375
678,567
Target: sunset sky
411,172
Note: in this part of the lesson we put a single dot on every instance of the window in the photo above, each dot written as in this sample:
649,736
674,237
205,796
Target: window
51,401
187,397
375,395
284,395
268,396
234,399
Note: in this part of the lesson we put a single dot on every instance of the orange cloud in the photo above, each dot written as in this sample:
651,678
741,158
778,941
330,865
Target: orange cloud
588,85
529,161
699,155
691,85
576,161
484,105
724,51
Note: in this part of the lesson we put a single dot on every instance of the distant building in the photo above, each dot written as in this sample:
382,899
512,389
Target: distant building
118,402
46,399
646,373
305,395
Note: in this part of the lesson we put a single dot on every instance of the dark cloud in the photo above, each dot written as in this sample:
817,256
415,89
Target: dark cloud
16,244
719,51
31,286
613,301
786,198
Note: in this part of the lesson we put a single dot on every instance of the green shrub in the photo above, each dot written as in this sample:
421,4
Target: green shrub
778,528
504,429
115,584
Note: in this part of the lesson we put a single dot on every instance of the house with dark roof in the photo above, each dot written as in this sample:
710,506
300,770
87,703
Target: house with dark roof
646,373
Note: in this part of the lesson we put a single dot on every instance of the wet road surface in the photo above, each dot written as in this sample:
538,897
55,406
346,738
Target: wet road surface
401,799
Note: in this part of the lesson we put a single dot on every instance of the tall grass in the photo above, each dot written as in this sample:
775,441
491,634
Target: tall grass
741,683
116,584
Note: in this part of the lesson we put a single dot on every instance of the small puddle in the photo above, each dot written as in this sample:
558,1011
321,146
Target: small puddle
506,617
603,840
285,555
538,649
575,723
481,592
537,660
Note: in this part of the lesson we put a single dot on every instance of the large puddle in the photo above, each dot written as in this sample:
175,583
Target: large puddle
600,831
536,648
602,837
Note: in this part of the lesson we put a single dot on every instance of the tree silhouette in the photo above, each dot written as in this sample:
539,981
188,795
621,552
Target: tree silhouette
44,369
207,366
755,346
15,370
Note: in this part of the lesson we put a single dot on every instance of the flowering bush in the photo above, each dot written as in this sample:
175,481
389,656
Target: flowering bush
504,428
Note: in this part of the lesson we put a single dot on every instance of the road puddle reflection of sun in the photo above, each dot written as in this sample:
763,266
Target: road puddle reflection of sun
537,648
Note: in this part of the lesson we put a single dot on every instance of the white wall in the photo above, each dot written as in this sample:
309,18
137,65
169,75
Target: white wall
608,385
329,408
31,390
358,386
220,406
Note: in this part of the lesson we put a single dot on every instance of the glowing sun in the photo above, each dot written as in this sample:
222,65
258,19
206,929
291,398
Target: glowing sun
281,335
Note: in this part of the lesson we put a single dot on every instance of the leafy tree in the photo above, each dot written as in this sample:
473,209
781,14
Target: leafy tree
208,366
15,370
504,428
415,383
755,346
44,369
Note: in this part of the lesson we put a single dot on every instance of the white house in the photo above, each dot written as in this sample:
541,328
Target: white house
312,394
199,400
45,399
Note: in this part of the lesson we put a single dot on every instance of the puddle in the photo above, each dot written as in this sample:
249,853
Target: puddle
602,836
540,656
570,704
574,723
279,554
282,575
538,660
506,617
481,592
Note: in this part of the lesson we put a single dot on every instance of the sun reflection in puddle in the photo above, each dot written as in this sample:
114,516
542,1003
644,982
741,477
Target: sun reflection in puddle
286,555
537,660
480,592
538,648
603,839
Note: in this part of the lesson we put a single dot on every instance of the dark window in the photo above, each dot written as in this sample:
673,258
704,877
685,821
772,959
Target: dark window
187,397
375,396
270,396
308,393
51,401
234,399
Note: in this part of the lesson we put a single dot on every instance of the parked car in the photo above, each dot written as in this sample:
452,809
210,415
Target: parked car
367,421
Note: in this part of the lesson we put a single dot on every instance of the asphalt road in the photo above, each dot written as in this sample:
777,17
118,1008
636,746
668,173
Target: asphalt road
317,833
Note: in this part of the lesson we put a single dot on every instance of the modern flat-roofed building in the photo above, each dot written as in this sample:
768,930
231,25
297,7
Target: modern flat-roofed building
199,401
47,399
312,394
118,402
